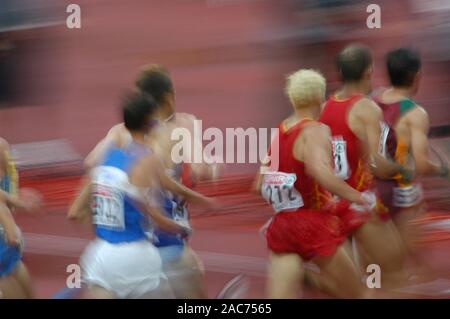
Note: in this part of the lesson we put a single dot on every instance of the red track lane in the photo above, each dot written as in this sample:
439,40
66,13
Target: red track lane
227,240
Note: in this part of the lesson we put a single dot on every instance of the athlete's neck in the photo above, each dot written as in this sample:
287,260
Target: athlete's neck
139,137
350,89
399,92
311,112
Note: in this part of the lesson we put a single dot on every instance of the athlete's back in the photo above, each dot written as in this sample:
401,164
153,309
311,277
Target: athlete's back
350,155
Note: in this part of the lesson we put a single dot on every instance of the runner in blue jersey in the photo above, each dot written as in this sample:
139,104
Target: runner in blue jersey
14,278
121,262
182,266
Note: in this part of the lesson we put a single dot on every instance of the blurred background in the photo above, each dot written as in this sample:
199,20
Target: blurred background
60,89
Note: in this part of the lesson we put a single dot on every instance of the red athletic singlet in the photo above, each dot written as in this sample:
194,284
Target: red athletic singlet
350,161
302,224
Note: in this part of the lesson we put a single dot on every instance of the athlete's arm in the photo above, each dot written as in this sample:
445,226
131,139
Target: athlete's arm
163,222
173,186
368,118
144,178
4,148
9,226
316,153
28,200
80,209
203,170
114,136
419,126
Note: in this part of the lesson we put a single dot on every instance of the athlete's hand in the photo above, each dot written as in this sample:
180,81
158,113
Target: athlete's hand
207,202
365,203
407,174
12,236
31,200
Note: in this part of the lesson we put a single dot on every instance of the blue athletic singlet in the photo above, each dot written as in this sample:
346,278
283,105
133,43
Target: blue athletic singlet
115,217
10,256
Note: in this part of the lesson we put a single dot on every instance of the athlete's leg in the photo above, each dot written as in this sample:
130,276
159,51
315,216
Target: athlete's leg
340,276
324,281
409,233
10,288
403,220
285,276
164,291
186,275
97,292
22,276
381,244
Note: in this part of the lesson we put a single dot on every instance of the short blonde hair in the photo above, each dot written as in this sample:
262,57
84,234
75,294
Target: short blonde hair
305,87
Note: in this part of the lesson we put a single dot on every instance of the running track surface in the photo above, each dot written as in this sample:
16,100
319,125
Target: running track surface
227,240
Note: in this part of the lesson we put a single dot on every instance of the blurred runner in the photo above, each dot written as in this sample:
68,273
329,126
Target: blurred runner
15,281
122,262
183,267
305,226
405,140
355,122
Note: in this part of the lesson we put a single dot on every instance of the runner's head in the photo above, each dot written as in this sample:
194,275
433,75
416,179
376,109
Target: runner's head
354,63
138,111
154,79
306,89
403,66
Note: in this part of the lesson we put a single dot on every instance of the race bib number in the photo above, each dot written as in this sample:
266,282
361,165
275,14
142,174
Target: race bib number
341,167
407,196
180,213
278,189
108,199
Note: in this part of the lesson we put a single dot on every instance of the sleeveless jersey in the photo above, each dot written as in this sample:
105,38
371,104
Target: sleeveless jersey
115,217
290,188
350,162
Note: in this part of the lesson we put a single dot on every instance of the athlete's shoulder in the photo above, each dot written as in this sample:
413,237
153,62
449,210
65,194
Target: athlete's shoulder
314,129
118,134
367,107
186,117
418,116
4,145
117,129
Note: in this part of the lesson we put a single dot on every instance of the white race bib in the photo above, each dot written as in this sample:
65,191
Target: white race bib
341,167
278,189
109,184
407,196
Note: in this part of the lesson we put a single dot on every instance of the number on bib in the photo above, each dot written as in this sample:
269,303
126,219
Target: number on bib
278,189
341,167
108,208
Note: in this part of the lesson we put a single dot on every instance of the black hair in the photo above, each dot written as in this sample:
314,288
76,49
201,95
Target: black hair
137,108
155,81
402,65
353,61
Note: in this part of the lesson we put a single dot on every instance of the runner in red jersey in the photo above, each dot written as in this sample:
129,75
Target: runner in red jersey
355,123
305,227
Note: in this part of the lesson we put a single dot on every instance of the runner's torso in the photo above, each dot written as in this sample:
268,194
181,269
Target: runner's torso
115,217
290,188
350,160
395,138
